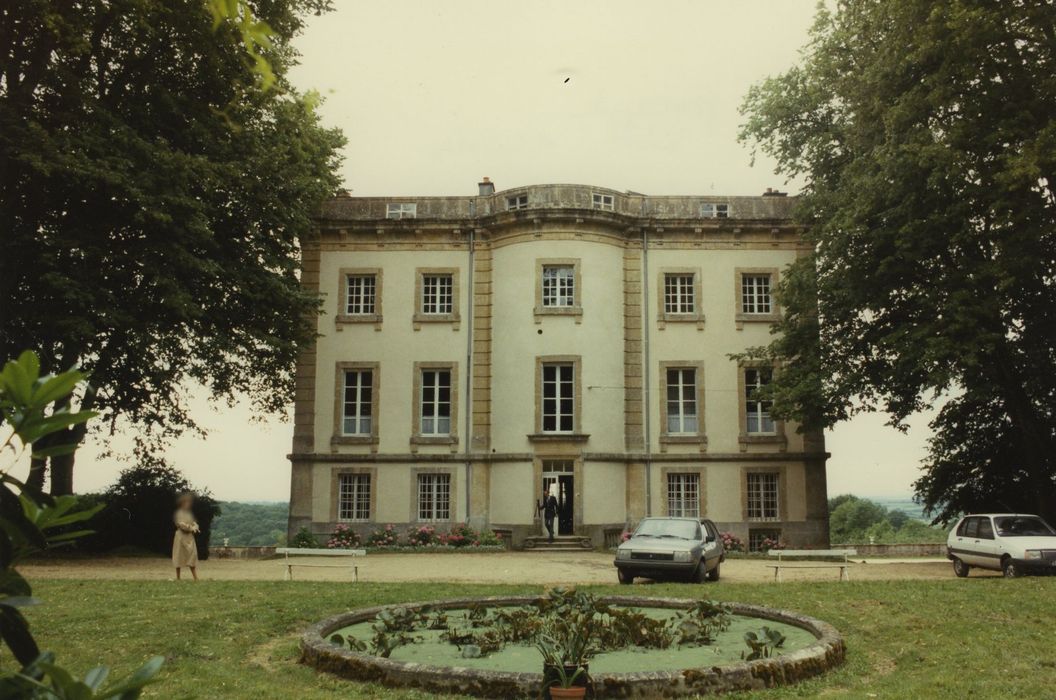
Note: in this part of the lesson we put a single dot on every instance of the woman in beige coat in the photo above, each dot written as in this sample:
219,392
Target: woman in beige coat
184,549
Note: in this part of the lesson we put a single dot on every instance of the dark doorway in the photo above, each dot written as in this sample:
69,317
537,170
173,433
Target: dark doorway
565,498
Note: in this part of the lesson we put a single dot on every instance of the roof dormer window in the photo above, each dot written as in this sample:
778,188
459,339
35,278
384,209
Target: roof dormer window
517,201
710,210
401,210
603,201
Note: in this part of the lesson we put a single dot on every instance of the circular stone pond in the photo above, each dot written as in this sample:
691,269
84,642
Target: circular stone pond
485,647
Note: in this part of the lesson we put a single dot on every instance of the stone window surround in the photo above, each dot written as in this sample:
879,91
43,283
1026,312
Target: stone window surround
577,395
576,309
702,487
341,317
700,438
453,495
335,491
782,492
744,438
416,407
454,318
739,316
664,317
338,437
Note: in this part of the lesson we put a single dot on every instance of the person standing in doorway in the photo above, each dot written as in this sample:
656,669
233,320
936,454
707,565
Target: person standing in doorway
549,508
184,549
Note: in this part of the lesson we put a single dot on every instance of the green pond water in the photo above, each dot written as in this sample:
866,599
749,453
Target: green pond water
726,649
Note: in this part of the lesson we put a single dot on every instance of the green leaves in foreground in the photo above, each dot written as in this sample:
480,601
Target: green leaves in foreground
34,407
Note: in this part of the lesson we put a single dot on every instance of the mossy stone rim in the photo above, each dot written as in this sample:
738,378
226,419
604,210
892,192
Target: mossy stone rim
827,652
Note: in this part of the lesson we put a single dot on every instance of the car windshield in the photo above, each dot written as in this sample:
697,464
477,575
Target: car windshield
681,529
1023,527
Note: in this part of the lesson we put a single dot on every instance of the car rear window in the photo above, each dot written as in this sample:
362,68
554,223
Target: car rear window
972,528
986,529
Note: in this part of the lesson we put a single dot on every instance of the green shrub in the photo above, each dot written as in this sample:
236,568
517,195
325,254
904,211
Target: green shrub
304,539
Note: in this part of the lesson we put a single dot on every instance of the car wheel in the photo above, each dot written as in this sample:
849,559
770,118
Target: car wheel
1010,569
701,573
960,568
713,575
626,577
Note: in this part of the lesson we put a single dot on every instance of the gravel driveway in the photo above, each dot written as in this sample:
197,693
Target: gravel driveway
508,567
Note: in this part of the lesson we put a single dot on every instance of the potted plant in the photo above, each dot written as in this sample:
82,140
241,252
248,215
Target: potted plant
565,670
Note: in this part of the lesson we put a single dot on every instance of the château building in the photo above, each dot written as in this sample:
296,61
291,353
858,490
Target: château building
475,350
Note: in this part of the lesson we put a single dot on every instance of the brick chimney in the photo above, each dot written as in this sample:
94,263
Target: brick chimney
486,187
771,192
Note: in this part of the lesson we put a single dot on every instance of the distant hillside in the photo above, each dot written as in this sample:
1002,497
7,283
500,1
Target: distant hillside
906,505
250,524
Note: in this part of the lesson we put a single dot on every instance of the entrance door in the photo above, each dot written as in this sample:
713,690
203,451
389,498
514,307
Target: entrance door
559,481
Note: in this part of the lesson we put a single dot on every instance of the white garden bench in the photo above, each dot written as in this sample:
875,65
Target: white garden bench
782,554
297,551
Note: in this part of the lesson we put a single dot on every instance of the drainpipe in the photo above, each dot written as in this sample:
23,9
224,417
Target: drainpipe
469,371
647,409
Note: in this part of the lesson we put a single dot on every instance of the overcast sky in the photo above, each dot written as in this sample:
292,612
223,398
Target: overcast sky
629,95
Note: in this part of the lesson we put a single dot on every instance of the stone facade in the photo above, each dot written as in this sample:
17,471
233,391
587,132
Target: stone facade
660,292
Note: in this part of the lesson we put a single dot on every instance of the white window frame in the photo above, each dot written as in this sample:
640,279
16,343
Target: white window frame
362,413
605,202
401,210
361,294
683,494
559,286
555,391
432,410
517,201
679,293
757,293
763,497
683,413
434,497
758,417
353,497
712,210
438,294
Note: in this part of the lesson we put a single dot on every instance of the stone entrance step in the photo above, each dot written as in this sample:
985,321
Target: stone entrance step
561,543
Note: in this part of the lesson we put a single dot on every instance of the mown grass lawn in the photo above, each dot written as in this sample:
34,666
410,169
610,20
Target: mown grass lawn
974,638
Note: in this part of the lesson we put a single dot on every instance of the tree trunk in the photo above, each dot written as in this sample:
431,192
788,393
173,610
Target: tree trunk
62,475
37,469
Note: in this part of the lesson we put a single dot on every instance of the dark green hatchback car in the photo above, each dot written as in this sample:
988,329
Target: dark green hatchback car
671,548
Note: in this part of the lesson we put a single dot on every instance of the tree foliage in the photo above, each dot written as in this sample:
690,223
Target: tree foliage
154,200
854,520
926,136
251,524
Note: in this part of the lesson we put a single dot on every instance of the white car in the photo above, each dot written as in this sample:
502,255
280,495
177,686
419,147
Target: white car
1014,543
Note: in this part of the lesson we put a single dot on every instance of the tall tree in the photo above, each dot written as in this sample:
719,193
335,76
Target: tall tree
926,134
153,198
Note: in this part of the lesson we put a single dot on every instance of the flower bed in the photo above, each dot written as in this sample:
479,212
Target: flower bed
418,538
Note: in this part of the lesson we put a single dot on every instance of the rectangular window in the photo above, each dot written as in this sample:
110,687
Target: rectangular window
757,411
361,291
404,210
682,401
683,495
762,496
434,496
517,201
678,294
762,540
353,500
755,294
715,211
559,286
603,201
436,402
438,294
357,402
558,398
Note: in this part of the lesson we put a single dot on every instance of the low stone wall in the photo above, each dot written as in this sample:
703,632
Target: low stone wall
937,549
241,552
827,652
